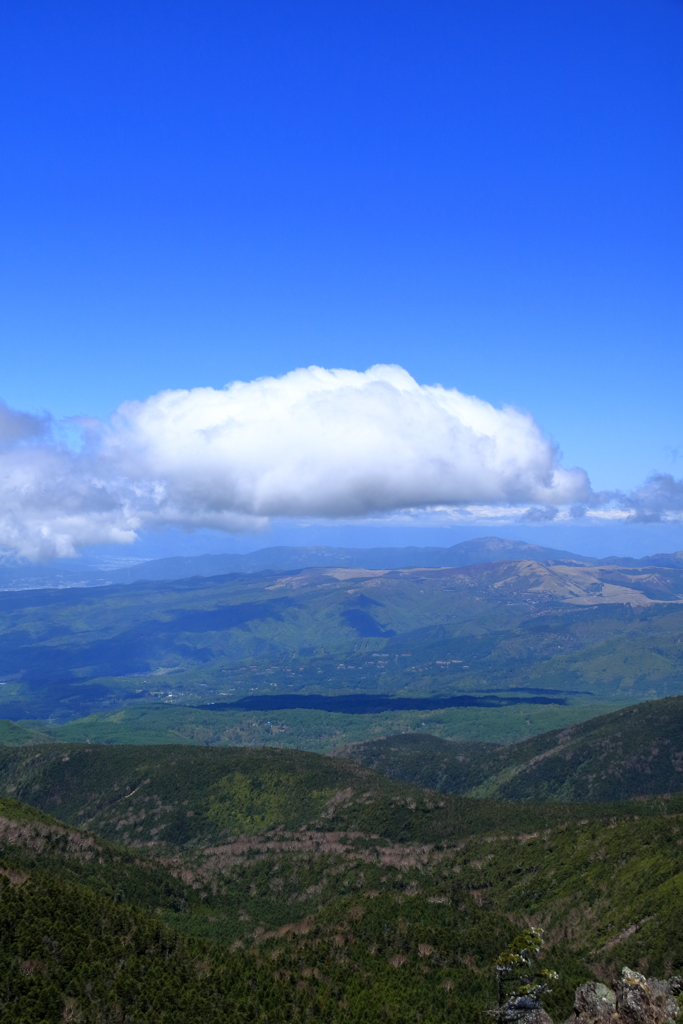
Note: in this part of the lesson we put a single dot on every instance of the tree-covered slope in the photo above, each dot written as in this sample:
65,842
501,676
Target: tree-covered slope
634,752
281,885
186,797
447,766
329,924
79,941
69,954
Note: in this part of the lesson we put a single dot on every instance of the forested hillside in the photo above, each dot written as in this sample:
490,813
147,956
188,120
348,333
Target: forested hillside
181,796
634,752
276,886
180,882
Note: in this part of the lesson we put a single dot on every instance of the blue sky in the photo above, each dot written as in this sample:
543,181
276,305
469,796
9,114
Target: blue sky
488,195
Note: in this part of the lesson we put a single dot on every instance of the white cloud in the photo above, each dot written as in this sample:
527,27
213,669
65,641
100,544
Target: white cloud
52,501
314,443
336,443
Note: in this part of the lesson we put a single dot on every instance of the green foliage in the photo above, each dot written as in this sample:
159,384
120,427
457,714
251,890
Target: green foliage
430,761
517,970
634,752
481,628
14,810
186,796
241,804
68,954
319,731
284,886
175,794
12,734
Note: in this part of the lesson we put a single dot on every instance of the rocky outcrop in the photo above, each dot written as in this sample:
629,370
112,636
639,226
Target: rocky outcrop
594,1003
522,1010
634,1000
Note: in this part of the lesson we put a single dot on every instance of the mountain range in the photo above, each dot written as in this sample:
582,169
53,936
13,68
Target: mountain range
184,883
77,573
499,627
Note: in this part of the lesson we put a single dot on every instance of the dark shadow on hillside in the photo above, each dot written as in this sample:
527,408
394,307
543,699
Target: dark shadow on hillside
372,704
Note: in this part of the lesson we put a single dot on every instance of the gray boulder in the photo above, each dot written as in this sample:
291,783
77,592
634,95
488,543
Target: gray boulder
635,1000
594,1003
522,1010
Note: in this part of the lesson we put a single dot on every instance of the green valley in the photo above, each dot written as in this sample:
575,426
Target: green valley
321,731
245,884
561,634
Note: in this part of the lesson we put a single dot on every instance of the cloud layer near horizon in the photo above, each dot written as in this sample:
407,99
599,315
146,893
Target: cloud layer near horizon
314,443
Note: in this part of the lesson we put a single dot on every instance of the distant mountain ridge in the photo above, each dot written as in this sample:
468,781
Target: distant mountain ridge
470,552
481,628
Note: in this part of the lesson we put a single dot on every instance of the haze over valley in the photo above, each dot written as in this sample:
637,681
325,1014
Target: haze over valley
320,657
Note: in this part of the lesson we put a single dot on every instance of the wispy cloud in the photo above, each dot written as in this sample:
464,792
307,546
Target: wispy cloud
314,443
659,496
540,515
20,426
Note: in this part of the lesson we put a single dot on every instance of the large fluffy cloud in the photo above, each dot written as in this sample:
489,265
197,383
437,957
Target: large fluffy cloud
316,442
335,443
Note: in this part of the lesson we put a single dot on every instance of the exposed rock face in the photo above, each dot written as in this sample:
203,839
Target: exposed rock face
635,1000
522,1010
594,1003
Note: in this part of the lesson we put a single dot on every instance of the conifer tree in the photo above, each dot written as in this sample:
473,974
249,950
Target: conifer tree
520,980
